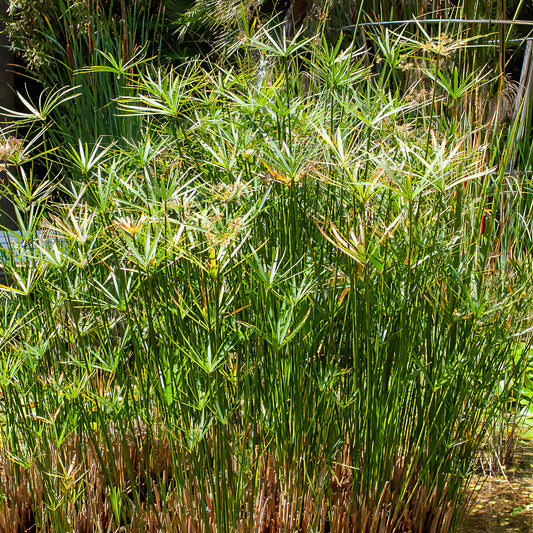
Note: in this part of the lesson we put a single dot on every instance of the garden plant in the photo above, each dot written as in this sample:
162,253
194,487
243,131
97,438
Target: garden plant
287,291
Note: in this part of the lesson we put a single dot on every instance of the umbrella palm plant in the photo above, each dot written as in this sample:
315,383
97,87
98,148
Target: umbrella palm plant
292,299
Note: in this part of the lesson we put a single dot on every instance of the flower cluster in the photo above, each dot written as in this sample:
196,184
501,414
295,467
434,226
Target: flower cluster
7,149
227,192
443,45
217,237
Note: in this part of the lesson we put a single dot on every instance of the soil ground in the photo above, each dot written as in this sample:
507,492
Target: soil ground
505,505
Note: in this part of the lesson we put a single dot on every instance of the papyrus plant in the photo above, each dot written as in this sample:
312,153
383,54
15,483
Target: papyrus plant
289,302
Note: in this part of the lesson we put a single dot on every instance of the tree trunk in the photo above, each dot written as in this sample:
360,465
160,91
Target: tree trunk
296,14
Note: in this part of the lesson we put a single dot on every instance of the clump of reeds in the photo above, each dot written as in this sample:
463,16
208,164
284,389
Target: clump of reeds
292,301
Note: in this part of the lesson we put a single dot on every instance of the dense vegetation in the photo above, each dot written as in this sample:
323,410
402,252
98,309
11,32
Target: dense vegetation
284,288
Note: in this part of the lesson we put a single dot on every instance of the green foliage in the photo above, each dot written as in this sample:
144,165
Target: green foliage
60,40
291,296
